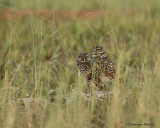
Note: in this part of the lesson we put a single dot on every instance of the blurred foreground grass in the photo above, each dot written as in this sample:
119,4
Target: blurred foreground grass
37,55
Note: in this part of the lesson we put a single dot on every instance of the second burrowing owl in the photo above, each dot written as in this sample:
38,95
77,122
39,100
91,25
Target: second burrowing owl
105,68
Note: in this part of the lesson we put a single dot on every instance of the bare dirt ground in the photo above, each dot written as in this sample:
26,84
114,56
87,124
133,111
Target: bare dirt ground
63,14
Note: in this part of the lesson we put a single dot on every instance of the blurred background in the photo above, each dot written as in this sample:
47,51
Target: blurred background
40,84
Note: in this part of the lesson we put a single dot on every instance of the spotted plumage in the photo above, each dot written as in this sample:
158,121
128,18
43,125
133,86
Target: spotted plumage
109,69
98,53
104,69
84,65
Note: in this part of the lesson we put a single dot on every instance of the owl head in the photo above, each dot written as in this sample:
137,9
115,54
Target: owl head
83,57
98,52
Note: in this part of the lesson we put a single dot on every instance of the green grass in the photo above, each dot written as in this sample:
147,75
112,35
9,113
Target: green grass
133,41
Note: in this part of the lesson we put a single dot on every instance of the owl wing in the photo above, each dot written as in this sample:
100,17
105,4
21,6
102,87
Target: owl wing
109,68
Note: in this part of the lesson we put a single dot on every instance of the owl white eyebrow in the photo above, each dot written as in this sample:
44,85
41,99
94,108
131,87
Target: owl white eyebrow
94,55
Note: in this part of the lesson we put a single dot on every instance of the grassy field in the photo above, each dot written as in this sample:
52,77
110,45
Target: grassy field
38,54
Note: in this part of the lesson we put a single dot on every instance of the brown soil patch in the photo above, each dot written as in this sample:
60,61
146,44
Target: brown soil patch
49,14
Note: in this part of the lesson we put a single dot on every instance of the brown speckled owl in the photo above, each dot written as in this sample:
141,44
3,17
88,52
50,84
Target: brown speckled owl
104,67
84,65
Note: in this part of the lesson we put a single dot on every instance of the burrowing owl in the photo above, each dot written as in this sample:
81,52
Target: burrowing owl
84,65
103,67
